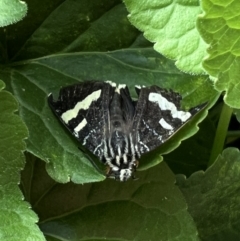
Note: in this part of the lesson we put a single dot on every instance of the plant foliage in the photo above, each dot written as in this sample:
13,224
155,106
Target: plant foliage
193,50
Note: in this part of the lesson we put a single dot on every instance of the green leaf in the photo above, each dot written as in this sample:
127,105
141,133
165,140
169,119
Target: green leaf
220,27
213,197
150,208
17,221
81,26
171,25
12,11
186,160
52,143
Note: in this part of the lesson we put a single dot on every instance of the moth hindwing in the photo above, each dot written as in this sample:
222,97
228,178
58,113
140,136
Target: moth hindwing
105,119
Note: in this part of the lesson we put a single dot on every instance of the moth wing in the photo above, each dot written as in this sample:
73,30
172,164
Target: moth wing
83,109
157,117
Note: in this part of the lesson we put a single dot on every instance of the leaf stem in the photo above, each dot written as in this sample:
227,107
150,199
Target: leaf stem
221,133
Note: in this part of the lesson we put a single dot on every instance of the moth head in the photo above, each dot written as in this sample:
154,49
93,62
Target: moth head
122,174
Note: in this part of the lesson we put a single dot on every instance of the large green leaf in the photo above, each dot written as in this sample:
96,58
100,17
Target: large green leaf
213,198
150,208
220,27
171,25
17,221
32,81
81,26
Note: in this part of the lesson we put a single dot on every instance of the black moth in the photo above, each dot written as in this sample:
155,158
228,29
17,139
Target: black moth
105,119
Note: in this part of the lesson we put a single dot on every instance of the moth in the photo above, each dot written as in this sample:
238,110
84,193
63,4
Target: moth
114,127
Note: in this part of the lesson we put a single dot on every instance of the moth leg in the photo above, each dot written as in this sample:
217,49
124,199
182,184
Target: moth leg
108,172
136,163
